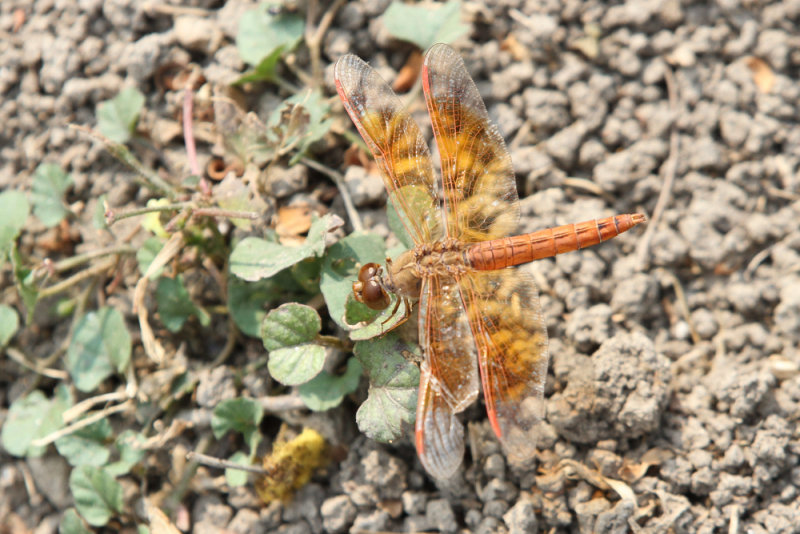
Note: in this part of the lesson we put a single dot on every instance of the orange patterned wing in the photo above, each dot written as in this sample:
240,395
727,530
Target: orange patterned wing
439,435
506,319
446,340
396,144
480,192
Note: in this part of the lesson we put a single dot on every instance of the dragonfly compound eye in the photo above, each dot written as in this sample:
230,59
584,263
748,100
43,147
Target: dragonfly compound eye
369,290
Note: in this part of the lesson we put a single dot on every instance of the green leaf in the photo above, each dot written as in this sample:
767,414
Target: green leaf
306,274
100,345
261,33
237,477
301,133
392,397
71,523
326,391
49,185
289,325
147,253
31,417
14,209
130,445
296,365
246,302
99,215
253,259
86,446
97,495
175,306
23,279
9,323
385,321
241,415
425,25
265,71
116,118
287,333
340,269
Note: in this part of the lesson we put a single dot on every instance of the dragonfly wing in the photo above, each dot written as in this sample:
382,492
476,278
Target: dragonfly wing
447,342
510,332
439,435
396,144
480,192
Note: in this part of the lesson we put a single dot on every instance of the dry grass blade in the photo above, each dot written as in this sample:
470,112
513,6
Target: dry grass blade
152,347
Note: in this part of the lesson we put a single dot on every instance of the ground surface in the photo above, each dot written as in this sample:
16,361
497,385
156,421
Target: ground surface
674,391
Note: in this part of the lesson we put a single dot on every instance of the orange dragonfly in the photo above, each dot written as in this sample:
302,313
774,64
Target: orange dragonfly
478,316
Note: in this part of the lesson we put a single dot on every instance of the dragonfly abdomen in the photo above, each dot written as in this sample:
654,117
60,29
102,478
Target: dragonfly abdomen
518,249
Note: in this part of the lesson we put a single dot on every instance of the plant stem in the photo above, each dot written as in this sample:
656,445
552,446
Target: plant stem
338,180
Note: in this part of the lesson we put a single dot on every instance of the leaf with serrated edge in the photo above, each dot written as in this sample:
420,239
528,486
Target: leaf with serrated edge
393,387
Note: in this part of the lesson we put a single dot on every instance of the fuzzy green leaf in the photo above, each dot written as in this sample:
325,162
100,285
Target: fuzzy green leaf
147,253
253,259
175,306
49,184
241,415
71,523
425,25
86,446
116,118
288,333
31,417
340,269
237,477
247,302
326,391
14,209
130,445
100,346
289,325
97,495
9,323
394,380
264,71
262,33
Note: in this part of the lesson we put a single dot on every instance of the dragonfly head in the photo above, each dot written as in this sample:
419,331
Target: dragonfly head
369,287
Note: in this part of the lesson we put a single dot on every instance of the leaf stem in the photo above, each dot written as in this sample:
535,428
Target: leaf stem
83,423
112,217
74,261
76,278
211,461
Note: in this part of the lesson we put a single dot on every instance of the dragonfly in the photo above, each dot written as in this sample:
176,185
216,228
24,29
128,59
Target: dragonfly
479,318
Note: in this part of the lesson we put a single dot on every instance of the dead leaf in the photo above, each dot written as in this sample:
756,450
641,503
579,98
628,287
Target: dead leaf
293,221
517,50
408,75
631,471
763,76
159,522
